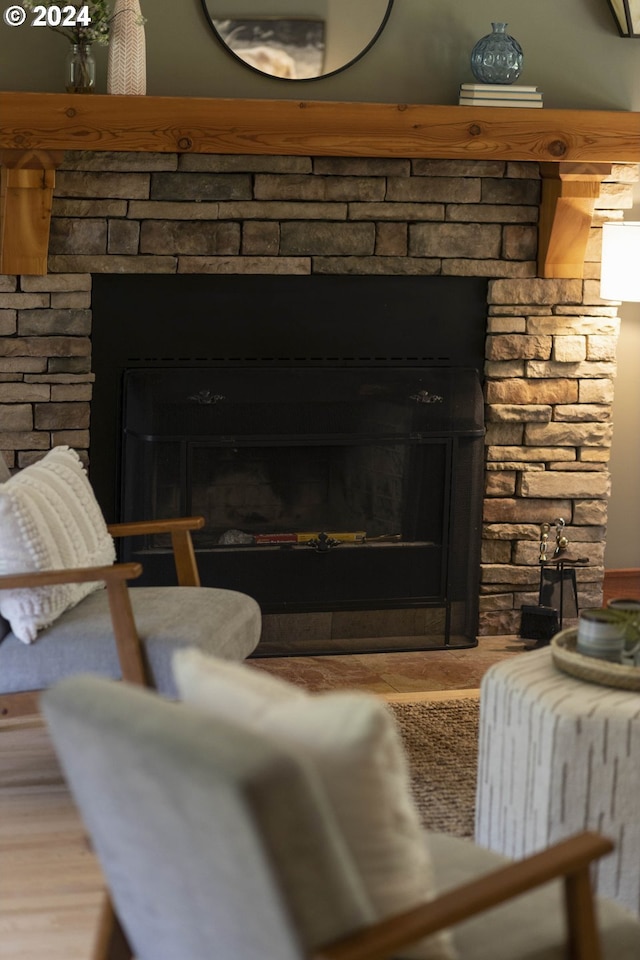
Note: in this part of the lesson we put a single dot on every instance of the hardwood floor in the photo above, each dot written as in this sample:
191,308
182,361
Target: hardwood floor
50,884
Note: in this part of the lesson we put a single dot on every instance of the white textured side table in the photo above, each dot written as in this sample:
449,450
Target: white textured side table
558,755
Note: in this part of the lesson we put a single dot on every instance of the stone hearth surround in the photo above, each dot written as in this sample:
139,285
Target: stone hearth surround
551,344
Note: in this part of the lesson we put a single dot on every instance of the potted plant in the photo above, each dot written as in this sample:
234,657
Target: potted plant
626,612
611,632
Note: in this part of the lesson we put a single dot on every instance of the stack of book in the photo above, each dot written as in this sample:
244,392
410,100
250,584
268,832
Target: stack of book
498,95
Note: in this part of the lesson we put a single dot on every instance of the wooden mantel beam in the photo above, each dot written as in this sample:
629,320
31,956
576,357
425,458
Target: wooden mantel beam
31,123
315,128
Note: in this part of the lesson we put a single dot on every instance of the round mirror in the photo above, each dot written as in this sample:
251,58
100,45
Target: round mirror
307,39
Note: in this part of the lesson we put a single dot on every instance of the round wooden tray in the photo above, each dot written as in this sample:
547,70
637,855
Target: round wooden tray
592,669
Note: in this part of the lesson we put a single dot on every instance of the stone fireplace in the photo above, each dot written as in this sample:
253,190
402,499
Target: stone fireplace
549,357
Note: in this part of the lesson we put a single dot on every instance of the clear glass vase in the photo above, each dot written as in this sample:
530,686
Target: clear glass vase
81,69
497,58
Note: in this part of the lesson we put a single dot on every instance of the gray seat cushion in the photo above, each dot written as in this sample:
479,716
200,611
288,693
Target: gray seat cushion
224,623
531,926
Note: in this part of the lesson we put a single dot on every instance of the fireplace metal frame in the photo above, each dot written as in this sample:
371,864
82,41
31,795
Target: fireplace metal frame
426,322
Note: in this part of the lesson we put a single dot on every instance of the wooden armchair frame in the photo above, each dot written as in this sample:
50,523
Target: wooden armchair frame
115,577
569,859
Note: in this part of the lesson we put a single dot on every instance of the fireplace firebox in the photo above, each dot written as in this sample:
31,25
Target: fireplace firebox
329,429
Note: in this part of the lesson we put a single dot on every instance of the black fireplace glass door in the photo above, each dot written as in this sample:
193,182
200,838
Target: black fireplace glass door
275,494
305,525
321,488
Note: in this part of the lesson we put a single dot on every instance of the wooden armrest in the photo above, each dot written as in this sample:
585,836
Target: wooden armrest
111,941
115,577
180,529
569,859
138,527
44,578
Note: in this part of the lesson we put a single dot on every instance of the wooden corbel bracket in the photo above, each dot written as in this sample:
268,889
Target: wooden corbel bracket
569,193
27,179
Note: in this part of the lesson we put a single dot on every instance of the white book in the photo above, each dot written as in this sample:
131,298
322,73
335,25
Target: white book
500,95
497,86
477,102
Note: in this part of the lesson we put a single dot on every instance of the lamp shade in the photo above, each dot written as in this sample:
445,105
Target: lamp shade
627,17
620,273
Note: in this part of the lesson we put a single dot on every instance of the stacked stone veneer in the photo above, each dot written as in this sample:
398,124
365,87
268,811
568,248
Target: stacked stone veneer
551,344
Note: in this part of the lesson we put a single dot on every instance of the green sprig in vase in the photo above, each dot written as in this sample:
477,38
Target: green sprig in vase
88,25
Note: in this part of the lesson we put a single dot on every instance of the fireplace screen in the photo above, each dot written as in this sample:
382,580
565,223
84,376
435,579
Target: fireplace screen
323,488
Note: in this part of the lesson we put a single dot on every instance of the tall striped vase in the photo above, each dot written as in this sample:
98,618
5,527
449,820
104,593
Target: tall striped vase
127,61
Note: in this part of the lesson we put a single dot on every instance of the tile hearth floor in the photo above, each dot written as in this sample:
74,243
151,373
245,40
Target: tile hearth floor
392,674
421,674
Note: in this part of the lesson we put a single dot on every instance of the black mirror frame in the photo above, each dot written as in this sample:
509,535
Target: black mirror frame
322,76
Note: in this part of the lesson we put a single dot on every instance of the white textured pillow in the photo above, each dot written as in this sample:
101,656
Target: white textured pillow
244,694
49,520
353,741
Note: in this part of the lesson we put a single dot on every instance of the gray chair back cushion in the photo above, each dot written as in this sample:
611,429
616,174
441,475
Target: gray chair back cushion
213,841
224,623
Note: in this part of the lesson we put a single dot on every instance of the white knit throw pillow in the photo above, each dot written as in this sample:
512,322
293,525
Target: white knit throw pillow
352,740
49,520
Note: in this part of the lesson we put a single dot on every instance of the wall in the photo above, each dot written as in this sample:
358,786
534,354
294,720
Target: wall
623,529
422,56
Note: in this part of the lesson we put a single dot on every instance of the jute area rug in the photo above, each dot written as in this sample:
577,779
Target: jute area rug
441,739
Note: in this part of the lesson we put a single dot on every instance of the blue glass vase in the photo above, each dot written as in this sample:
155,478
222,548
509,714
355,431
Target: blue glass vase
497,58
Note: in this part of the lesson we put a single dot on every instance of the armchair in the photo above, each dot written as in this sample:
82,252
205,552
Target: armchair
214,840
117,632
